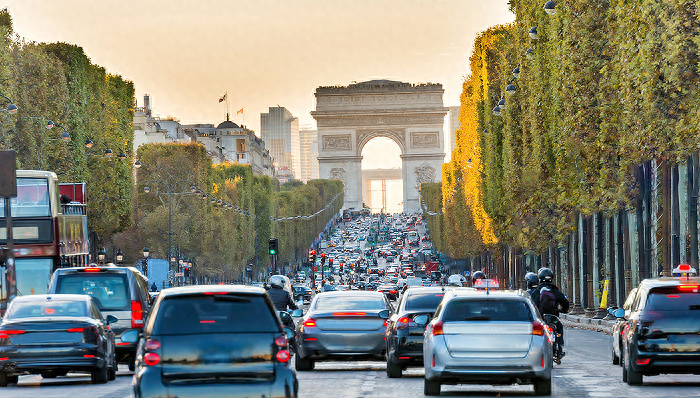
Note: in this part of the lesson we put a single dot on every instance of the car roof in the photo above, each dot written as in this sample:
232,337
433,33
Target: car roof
467,292
103,268
353,293
668,281
174,291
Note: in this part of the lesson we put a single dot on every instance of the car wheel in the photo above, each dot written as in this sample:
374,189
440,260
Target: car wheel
431,387
99,375
49,375
303,364
634,378
112,372
615,358
543,387
132,364
393,371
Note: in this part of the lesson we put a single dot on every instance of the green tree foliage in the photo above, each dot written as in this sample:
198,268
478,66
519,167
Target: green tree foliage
57,82
609,86
221,241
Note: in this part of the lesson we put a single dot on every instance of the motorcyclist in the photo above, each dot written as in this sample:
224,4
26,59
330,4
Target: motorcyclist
532,280
478,275
550,300
280,297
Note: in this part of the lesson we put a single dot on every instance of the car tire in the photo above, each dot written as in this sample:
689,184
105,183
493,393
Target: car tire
49,375
112,372
634,378
543,387
4,379
431,387
132,364
615,358
303,364
393,370
99,375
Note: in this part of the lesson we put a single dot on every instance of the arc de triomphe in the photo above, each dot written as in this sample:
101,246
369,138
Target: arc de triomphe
350,116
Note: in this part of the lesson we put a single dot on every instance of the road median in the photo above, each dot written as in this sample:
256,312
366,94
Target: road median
582,322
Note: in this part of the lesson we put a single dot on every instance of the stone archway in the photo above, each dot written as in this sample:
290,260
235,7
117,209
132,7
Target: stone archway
350,116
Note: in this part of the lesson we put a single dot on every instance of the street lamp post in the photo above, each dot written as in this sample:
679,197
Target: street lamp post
101,256
144,262
120,257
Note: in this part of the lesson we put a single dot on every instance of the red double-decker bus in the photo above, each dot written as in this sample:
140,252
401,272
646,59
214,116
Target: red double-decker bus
49,227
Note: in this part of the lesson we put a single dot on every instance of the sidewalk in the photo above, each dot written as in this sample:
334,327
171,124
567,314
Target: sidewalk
577,321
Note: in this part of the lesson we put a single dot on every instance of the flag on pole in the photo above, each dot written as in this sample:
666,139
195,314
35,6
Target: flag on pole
241,111
223,98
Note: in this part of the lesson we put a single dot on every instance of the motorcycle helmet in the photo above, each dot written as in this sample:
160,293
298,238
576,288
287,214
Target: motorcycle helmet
531,279
276,280
478,275
545,275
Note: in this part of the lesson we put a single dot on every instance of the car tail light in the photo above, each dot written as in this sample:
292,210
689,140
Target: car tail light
92,269
151,358
75,330
437,330
283,356
349,313
543,361
5,334
88,356
689,287
214,293
136,314
4,359
152,344
538,329
310,323
281,341
643,361
403,322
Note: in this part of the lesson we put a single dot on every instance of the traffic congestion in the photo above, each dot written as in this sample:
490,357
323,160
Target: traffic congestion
373,306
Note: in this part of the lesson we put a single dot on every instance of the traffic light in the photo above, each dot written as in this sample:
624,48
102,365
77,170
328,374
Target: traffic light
323,258
312,256
341,268
330,262
272,246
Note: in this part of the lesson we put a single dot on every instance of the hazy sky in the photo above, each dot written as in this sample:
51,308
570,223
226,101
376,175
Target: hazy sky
186,53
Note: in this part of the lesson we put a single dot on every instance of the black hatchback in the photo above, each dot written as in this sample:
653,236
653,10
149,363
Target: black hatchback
214,341
404,340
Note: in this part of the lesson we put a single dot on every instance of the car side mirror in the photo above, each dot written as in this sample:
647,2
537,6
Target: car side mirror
285,317
298,313
111,319
384,314
619,313
422,320
130,336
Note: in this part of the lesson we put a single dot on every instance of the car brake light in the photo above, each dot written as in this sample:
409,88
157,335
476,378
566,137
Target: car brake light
152,344
543,361
151,358
673,296
537,329
689,287
75,330
349,313
136,314
310,323
5,334
4,359
283,356
214,293
402,323
281,341
437,330
88,356
643,361
92,269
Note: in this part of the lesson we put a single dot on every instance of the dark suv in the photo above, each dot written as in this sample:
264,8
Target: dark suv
660,335
118,291
404,341
214,341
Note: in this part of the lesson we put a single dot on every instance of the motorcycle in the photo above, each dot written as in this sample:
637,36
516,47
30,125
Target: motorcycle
289,326
554,328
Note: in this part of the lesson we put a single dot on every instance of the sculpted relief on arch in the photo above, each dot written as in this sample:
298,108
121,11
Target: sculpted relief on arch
425,173
338,173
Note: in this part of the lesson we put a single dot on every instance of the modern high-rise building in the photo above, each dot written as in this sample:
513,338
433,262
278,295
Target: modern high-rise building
280,130
453,117
308,142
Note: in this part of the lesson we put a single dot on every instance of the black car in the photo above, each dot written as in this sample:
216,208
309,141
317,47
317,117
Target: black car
55,334
660,335
404,339
118,291
618,328
390,291
302,292
214,341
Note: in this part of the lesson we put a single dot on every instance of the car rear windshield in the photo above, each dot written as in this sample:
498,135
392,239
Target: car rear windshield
423,301
673,299
487,310
349,303
219,313
110,291
47,309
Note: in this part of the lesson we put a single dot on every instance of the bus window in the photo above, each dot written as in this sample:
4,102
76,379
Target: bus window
32,198
33,275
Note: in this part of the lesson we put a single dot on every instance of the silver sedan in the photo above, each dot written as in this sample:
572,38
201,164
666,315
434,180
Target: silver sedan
347,325
494,337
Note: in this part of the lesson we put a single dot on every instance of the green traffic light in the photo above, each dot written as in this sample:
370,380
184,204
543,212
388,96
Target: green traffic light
273,252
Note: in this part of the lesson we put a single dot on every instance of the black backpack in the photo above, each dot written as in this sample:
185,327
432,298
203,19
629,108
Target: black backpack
547,303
